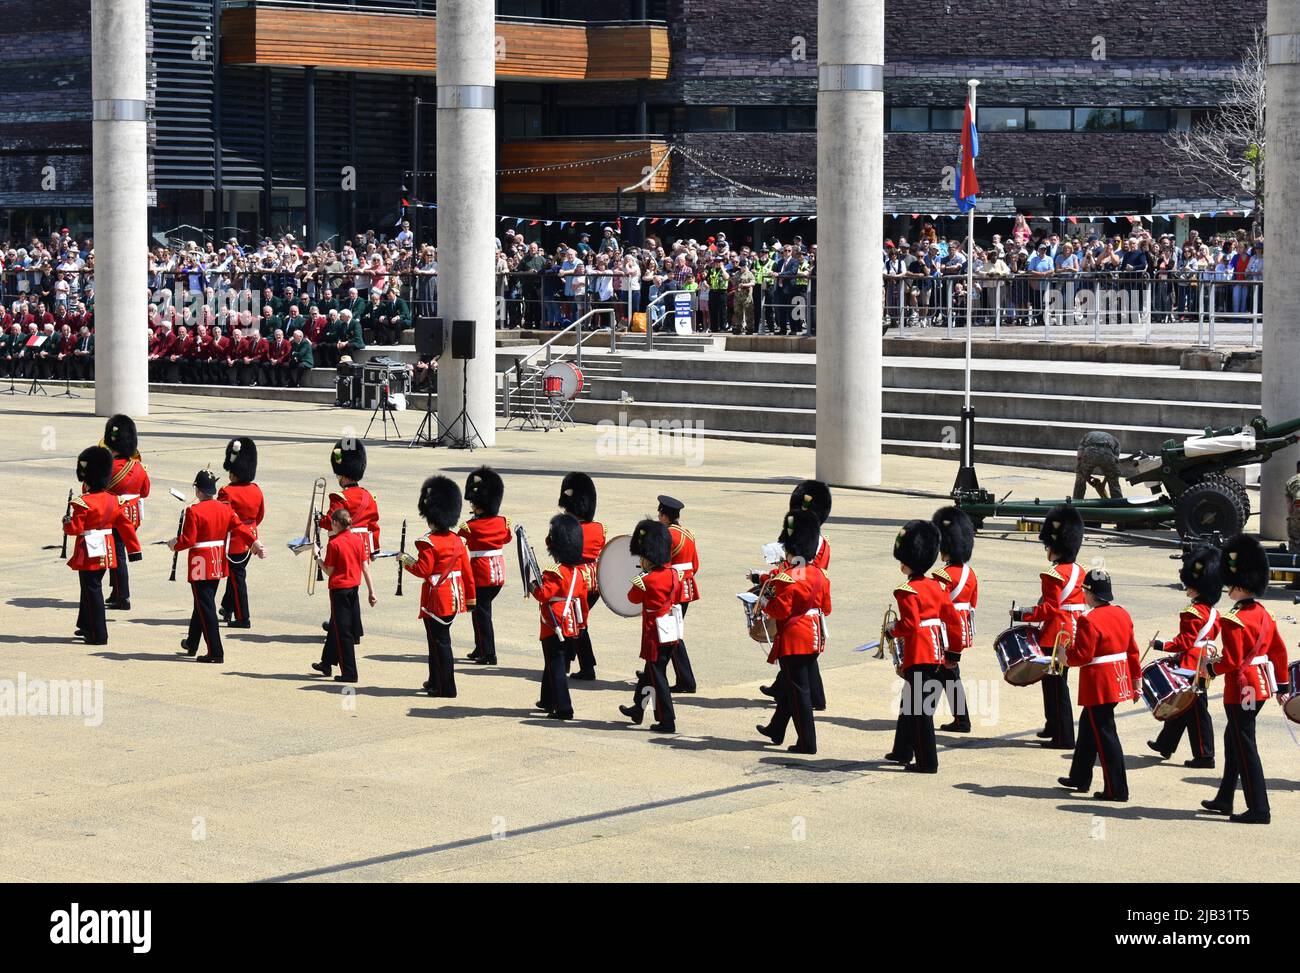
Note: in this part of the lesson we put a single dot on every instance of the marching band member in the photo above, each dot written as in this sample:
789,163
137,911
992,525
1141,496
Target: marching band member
928,624
346,564
486,535
1056,615
801,598
1198,629
1110,672
562,593
813,496
686,562
206,527
578,499
348,460
658,590
1253,656
245,498
130,481
93,519
957,578
443,561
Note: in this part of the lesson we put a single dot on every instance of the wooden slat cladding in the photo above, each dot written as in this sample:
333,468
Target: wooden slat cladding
605,177
397,44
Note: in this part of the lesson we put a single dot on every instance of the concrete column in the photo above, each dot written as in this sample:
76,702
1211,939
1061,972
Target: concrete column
121,181
1281,261
850,197
467,205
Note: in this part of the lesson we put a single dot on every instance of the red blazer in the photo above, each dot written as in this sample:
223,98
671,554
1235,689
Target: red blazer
486,538
94,517
801,596
246,501
442,560
686,561
1198,625
182,348
278,354
207,527
164,342
360,503
219,348
563,597
593,542
657,592
254,348
927,622
1061,604
1253,651
963,589
1106,655
130,481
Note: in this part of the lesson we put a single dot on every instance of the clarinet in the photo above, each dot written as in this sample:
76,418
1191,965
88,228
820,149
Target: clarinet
66,514
401,571
180,526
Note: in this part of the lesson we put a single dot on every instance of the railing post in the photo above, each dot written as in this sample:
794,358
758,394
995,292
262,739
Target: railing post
997,310
1214,309
577,350
1255,313
947,300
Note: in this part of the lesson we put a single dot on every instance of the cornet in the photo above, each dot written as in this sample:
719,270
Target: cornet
1059,648
310,538
895,645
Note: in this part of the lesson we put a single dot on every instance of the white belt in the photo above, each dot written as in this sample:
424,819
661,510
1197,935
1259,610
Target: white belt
202,544
494,553
1259,660
932,623
128,496
1113,657
1074,608
686,566
813,611
962,606
1201,644
98,532
438,579
360,530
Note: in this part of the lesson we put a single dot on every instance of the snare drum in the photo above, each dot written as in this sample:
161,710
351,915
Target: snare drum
1020,657
1292,706
1166,691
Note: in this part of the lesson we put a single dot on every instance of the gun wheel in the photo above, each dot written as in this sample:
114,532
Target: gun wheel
1209,507
1242,494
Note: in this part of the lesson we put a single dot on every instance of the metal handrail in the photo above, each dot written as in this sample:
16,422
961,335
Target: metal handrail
576,327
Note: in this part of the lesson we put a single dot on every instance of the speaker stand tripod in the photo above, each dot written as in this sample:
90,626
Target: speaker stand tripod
463,441
429,433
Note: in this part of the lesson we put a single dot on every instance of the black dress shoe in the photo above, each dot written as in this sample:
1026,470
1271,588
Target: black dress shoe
956,726
225,615
96,641
561,715
1216,807
1251,817
1103,796
484,660
325,627
682,690
118,606
767,732
1151,745
537,705
79,633
588,676
767,691
1200,763
663,727
320,667
209,658
894,758
244,624
1044,734
801,748
185,647
633,713
343,679
473,657
1070,785
918,769
1056,745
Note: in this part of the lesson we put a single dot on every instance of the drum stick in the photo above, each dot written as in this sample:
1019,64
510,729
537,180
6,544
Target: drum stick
1149,644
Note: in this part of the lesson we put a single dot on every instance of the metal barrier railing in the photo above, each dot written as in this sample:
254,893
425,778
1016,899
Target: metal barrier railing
512,397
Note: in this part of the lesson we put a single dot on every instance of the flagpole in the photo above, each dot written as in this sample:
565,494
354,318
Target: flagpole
966,477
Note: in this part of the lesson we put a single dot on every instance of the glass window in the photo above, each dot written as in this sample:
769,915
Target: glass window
1097,120
586,121
523,121
1001,120
1048,120
760,119
711,119
946,119
909,119
801,119
1146,119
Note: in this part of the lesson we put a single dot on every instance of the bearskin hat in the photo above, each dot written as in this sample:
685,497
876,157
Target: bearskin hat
349,458
801,531
1200,572
241,459
564,539
1244,565
956,534
578,496
1062,531
652,541
485,490
120,437
95,468
917,545
440,502
812,495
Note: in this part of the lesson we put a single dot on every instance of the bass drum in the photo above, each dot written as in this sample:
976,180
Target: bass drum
614,571
563,380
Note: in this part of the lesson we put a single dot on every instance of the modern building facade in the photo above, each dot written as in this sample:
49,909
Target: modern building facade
710,107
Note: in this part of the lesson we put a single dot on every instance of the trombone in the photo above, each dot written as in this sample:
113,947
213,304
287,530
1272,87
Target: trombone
310,538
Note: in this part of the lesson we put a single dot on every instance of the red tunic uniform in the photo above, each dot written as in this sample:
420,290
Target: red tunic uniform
686,561
801,598
822,559
658,592
963,589
360,503
130,481
246,501
94,517
345,557
1198,627
442,560
927,622
208,526
593,542
1254,655
1059,608
563,597
1106,655
486,538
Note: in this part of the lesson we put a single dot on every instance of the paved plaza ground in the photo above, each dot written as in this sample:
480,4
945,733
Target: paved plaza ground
257,769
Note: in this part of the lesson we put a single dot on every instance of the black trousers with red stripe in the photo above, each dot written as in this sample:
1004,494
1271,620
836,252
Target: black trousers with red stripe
90,609
1241,759
655,674
1058,712
1099,740
681,662
914,733
1196,722
234,602
442,667
340,640
119,579
203,619
579,649
555,675
485,637
794,700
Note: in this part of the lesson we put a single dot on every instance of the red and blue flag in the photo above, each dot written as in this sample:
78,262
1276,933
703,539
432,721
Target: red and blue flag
967,189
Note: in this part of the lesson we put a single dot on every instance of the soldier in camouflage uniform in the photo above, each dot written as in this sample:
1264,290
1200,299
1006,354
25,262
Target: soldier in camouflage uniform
1098,451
